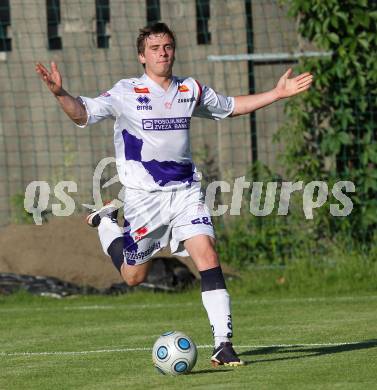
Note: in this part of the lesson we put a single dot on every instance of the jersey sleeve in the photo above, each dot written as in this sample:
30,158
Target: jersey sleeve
211,104
100,107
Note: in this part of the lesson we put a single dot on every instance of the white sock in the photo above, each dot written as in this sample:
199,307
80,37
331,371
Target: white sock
217,305
108,231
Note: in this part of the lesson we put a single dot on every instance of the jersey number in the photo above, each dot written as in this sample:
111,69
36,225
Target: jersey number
203,220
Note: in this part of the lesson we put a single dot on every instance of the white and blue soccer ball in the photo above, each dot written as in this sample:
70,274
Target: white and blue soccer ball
174,353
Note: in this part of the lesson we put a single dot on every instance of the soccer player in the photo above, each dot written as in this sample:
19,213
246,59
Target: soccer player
163,202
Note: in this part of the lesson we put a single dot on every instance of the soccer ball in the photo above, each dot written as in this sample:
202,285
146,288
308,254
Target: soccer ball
174,353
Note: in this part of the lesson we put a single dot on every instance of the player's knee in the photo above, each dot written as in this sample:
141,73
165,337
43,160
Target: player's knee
210,259
134,280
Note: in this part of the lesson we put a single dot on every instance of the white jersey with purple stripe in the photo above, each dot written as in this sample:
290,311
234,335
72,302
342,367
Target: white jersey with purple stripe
151,130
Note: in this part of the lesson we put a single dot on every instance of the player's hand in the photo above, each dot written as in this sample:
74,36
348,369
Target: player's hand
287,87
52,79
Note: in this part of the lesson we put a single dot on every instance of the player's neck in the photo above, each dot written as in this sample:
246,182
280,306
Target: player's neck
162,81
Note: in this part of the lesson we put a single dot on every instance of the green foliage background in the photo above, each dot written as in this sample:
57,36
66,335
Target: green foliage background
333,127
332,136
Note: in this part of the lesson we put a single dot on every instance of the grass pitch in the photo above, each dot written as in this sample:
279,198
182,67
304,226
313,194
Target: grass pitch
288,341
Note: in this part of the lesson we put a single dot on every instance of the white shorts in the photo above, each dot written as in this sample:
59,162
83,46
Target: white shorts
155,219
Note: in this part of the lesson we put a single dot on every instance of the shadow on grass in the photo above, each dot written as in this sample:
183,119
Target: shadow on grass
308,352
209,371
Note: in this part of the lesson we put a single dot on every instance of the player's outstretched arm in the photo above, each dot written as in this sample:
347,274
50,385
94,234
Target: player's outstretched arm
53,80
285,87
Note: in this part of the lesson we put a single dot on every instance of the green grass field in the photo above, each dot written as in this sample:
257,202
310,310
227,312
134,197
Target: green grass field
288,341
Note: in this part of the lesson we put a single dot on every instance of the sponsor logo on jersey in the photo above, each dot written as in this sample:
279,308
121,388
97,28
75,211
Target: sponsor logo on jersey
144,103
183,88
143,254
105,94
186,100
162,124
168,105
141,232
143,99
141,90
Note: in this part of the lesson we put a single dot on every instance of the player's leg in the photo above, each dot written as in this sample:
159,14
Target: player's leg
133,275
215,297
111,236
201,248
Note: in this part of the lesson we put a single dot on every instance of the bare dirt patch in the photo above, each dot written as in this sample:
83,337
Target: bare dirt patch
65,248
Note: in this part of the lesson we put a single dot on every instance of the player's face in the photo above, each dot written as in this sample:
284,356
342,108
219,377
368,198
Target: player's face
158,55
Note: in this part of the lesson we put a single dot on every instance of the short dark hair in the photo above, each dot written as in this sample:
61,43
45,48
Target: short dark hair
156,28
